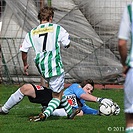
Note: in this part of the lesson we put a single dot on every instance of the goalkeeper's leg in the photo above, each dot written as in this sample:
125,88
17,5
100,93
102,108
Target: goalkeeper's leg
14,99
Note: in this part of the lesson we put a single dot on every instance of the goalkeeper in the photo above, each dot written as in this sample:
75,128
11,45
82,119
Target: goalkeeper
42,95
83,93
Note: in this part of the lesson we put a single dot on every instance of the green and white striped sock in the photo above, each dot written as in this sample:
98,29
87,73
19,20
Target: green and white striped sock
129,130
65,104
53,104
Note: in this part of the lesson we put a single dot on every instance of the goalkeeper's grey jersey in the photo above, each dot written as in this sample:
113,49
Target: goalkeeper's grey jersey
46,40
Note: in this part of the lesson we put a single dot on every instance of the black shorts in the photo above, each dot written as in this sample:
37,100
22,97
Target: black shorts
43,95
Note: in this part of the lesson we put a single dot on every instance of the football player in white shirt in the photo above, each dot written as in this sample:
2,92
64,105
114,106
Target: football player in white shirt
45,40
125,32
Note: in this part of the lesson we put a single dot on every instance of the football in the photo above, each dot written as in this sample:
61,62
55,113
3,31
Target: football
105,110
109,110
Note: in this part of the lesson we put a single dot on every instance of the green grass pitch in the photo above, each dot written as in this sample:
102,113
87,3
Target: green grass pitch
17,119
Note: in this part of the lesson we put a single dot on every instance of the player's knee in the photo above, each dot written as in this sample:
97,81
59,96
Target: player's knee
80,113
57,95
25,88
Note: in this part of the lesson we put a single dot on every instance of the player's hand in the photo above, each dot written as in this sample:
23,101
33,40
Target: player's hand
40,117
105,101
117,109
67,46
125,70
26,69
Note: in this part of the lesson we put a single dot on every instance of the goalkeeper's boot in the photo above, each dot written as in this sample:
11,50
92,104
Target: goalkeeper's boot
40,117
2,112
74,113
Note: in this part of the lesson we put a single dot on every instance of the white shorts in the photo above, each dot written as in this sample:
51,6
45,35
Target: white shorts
128,92
56,83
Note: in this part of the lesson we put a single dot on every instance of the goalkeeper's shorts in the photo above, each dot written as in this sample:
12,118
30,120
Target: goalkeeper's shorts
128,92
43,95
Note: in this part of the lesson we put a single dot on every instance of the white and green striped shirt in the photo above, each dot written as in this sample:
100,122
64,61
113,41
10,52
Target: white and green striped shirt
46,40
126,31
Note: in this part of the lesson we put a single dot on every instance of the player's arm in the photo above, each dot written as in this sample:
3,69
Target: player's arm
122,46
91,98
88,97
24,48
64,38
24,59
123,35
122,50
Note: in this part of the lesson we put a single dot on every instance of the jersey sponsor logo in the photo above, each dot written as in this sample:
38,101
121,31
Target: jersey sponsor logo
38,87
72,100
43,30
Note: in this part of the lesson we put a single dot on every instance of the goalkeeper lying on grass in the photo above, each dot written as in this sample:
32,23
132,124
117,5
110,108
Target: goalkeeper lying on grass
77,95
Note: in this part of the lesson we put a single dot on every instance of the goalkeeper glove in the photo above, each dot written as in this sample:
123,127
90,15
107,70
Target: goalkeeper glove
105,101
117,109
